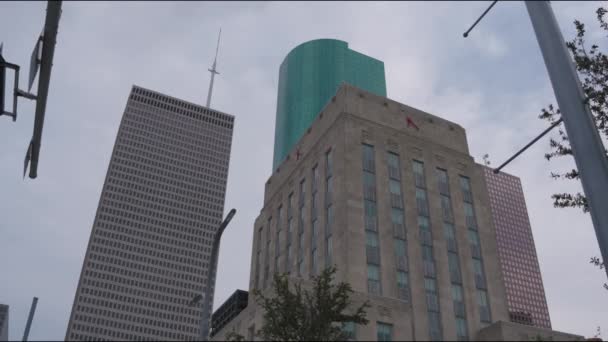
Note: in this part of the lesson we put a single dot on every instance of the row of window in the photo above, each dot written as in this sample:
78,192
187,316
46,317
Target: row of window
140,125
372,246
130,221
143,127
178,124
175,109
196,166
141,161
128,171
175,200
290,243
137,288
157,189
161,263
150,250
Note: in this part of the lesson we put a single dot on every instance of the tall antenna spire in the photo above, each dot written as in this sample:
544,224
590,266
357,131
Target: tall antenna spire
212,70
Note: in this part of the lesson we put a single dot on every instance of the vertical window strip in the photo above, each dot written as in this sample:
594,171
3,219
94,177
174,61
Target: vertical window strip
372,248
398,225
257,258
277,249
474,241
329,214
301,228
453,260
424,227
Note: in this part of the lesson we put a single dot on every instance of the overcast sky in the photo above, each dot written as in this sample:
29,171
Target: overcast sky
493,83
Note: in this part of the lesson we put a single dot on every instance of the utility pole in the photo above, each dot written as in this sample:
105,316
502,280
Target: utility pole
211,276
213,70
587,148
28,325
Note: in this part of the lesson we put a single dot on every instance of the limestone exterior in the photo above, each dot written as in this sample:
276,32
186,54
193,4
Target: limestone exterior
352,119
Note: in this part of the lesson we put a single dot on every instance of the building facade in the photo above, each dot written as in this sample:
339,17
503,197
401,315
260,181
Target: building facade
3,322
228,310
309,76
390,196
516,250
161,202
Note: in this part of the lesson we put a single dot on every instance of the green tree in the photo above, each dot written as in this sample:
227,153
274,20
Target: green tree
592,66
294,313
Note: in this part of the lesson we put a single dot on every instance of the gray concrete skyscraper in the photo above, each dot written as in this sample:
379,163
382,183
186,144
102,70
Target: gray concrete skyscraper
3,322
161,202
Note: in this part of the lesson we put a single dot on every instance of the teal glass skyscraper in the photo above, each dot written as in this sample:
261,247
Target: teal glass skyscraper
308,78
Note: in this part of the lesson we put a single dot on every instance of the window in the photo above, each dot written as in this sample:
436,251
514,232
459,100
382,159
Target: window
465,186
329,163
454,267
484,308
384,332
315,178
458,299
368,158
369,186
329,190
314,205
395,193
329,220
277,250
349,330
393,166
373,280
398,224
461,329
371,212
402,285
314,262
290,205
302,192
446,209
419,174
328,252
469,215
450,237
479,275
401,254
442,178
371,248
435,326
422,203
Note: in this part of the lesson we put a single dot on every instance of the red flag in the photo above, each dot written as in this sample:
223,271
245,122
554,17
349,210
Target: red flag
411,123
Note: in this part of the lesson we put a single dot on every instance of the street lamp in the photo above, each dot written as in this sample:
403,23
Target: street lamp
211,270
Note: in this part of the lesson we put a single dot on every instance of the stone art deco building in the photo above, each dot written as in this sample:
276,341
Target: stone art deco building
161,202
390,196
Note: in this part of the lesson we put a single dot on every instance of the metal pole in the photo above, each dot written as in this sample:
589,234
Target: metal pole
28,325
213,71
555,124
207,294
466,34
51,24
587,148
